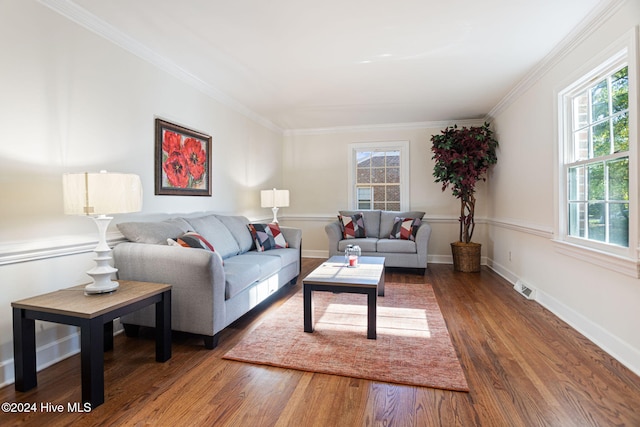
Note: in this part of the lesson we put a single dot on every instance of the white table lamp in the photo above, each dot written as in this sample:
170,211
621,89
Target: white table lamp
274,199
96,195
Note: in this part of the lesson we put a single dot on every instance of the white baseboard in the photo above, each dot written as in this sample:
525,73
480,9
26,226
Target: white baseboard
614,346
611,344
47,355
315,254
431,259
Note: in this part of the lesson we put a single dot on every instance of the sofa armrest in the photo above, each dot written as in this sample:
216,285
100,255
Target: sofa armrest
334,233
422,242
293,236
197,279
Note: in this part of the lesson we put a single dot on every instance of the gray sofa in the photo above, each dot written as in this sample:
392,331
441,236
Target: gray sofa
211,289
378,226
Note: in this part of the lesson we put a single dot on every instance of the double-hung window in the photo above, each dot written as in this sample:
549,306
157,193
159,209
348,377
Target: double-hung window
379,176
598,160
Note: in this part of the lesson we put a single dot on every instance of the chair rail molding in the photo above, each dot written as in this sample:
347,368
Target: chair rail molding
34,250
522,227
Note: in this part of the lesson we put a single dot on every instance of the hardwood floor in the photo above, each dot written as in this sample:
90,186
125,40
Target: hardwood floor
524,366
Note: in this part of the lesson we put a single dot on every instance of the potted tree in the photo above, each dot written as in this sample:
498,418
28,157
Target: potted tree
462,157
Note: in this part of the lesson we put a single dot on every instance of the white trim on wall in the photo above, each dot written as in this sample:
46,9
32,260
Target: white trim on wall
611,344
18,252
522,227
46,355
586,28
385,127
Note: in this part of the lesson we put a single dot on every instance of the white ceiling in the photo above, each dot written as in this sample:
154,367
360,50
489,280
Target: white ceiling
331,63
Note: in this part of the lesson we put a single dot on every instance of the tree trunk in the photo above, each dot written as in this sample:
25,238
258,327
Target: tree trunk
467,221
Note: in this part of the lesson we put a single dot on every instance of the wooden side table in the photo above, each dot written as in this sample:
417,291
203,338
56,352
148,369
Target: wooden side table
94,314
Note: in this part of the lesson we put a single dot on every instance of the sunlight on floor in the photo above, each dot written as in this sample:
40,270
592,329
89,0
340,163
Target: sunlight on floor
402,321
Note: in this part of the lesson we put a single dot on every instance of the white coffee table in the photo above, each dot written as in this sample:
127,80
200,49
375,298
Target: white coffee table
335,276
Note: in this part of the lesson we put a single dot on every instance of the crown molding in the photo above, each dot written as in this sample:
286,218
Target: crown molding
84,18
581,32
441,124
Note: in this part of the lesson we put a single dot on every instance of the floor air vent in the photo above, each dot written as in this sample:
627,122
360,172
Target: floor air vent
527,292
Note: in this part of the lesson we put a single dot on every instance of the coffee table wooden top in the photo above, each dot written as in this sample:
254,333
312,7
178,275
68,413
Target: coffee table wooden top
73,301
335,272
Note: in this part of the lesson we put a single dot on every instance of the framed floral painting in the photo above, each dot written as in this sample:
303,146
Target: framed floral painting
183,161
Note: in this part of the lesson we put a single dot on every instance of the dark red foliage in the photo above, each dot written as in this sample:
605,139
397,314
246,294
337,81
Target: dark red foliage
462,157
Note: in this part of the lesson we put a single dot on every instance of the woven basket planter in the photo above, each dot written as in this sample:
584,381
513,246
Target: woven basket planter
466,256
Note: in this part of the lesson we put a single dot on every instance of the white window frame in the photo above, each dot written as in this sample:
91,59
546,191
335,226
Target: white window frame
621,259
402,146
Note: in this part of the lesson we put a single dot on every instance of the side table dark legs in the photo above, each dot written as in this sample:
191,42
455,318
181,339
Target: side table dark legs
163,328
24,351
92,361
96,336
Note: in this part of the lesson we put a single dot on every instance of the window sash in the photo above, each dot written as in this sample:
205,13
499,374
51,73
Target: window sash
592,213
386,174
597,221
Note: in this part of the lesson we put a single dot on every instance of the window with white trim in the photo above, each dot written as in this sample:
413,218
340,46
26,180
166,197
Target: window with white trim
598,159
379,176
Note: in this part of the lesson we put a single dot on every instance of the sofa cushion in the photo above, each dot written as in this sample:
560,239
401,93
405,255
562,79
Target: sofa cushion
387,219
267,236
352,226
287,256
396,246
212,229
371,221
244,270
239,276
405,228
368,244
237,225
268,265
154,232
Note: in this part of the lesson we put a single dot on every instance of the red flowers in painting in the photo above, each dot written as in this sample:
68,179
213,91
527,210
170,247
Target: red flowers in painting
196,157
171,142
177,170
184,161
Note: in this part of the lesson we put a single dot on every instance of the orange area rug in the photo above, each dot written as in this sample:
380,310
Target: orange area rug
413,346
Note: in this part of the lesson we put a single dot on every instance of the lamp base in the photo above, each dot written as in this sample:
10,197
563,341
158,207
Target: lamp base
101,274
92,289
103,271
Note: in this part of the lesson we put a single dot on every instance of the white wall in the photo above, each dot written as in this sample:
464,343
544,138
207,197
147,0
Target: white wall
316,172
73,102
597,301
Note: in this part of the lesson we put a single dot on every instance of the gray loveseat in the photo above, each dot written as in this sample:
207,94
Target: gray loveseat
407,249
210,289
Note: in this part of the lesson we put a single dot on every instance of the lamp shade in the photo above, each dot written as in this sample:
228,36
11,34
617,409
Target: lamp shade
274,198
101,193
